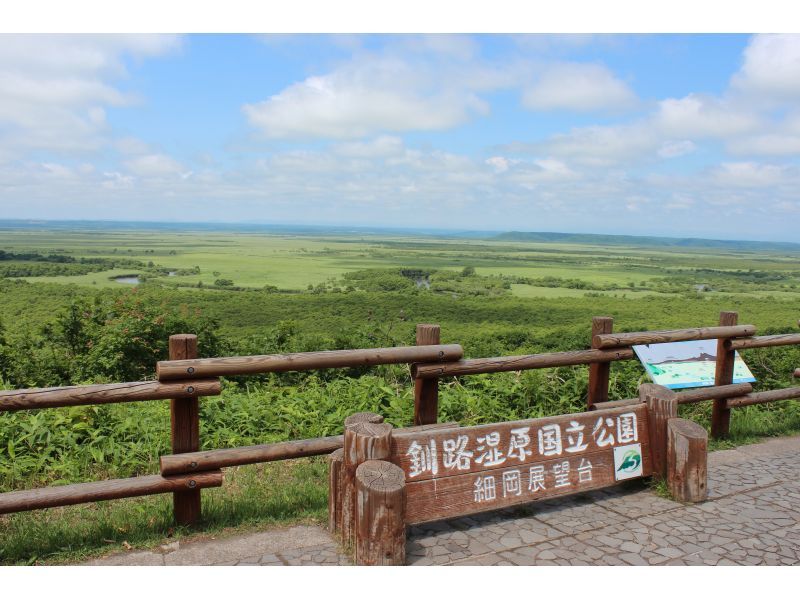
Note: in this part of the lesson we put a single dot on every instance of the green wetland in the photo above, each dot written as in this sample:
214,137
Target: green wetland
66,319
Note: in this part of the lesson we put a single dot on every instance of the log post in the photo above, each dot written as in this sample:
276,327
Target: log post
349,464
599,372
426,392
662,405
720,413
797,373
185,425
335,464
380,519
687,460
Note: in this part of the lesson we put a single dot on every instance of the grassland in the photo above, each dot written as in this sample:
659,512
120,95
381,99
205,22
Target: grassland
297,291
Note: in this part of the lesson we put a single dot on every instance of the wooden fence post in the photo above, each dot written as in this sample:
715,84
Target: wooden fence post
185,424
687,460
350,463
335,464
380,520
426,392
720,413
599,372
662,405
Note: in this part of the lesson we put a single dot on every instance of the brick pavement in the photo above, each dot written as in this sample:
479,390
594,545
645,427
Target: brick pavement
752,517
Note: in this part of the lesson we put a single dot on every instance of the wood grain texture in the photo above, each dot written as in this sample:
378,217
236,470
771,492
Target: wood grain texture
59,496
455,496
628,339
423,455
426,391
101,394
756,342
599,372
353,448
297,362
276,451
513,363
720,413
662,405
380,514
687,460
615,404
767,396
711,393
246,455
185,427
335,464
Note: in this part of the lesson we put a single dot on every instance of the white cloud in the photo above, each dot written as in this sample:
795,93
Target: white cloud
698,116
749,174
578,87
602,145
770,144
674,149
54,88
771,67
154,165
365,97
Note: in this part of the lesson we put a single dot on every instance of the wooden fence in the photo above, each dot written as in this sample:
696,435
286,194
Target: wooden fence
184,378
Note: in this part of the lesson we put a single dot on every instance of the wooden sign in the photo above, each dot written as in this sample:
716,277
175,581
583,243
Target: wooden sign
455,472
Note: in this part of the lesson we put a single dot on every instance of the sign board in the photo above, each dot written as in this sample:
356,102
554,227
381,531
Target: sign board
689,364
455,472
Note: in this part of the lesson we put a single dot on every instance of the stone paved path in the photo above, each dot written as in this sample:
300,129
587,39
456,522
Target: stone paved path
752,517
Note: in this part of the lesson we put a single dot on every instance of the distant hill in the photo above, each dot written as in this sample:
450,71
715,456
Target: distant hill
625,240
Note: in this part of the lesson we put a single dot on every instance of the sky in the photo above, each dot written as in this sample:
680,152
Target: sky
669,135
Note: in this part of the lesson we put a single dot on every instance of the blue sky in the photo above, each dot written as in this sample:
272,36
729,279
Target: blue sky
674,135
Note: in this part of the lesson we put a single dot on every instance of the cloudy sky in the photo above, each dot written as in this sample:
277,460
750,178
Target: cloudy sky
668,135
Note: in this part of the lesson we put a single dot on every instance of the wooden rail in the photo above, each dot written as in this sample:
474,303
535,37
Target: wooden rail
73,494
757,342
184,378
513,363
296,362
628,339
767,396
264,453
712,393
100,394
687,397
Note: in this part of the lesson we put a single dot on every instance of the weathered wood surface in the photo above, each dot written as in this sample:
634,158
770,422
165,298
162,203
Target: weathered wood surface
711,393
460,495
756,342
726,359
296,362
628,339
99,394
247,455
59,496
335,464
426,392
599,372
185,430
797,373
444,453
362,432
615,404
265,453
767,396
687,460
513,363
380,514
662,405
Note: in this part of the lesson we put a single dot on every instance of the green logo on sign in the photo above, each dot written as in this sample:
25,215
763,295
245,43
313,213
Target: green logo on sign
630,461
